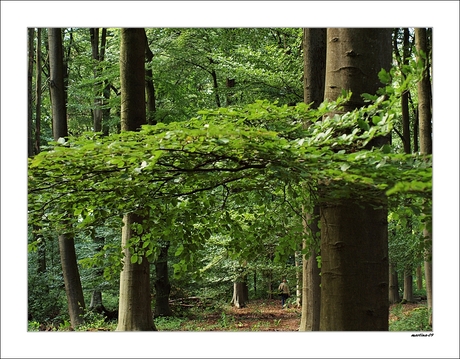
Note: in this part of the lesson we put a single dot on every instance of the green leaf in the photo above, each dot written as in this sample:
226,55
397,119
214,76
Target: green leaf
134,258
376,120
363,125
384,77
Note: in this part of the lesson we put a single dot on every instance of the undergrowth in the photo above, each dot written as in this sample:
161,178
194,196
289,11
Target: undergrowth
416,319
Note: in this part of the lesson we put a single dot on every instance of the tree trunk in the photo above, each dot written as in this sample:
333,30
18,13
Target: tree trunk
149,87
230,83
215,86
314,55
72,281
70,271
354,235
135,312
393,286
30,73
97,111
424,112
405,97
96,301
298,278
354,268
408,286
239,294
162,285
57,83
38,91
419,277
313,277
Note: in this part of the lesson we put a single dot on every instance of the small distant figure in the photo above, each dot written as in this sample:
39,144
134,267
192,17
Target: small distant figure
284,292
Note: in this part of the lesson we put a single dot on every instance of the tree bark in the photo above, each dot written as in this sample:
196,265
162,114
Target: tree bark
57,83
38,92
393,292
424,112
311,294
135,312
30,73
354,234
72,281
97,111
419,277
150,87
408,286
162,285
405,97
239,298
70,271
314,55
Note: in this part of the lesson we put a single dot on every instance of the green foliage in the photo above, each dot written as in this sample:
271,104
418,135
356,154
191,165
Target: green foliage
415,320
33,326
169,323
223,186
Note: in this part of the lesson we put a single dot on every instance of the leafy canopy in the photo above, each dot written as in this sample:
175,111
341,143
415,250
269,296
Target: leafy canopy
261,147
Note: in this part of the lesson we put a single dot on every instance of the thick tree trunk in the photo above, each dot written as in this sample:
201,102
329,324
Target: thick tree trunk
354,235
311,295
240,291
135,312
393,293
70,271
57,83
354,268
424,111
314,55
162,285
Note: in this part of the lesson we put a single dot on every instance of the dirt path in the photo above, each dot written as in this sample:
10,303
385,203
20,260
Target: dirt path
260,315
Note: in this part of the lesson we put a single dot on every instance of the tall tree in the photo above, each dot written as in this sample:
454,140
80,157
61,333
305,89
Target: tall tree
314,54
70,271
97,58
135,313
149,86
38,90
424,111
354,232
30,72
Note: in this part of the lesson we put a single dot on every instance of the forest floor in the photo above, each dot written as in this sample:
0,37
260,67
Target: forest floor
258,315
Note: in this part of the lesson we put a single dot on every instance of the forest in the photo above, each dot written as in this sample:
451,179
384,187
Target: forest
163,173
177,175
